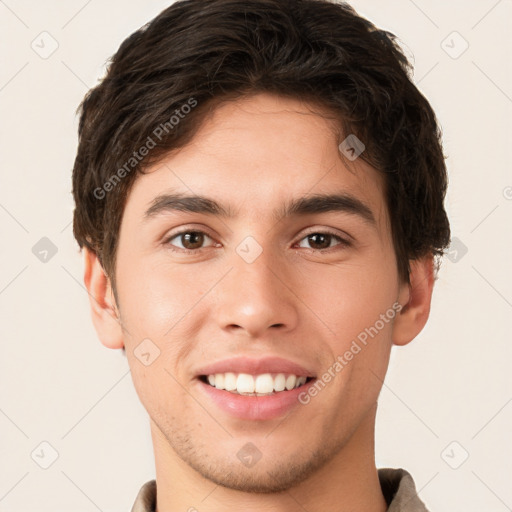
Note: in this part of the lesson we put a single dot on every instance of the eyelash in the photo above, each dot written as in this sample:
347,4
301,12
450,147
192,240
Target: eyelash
343,243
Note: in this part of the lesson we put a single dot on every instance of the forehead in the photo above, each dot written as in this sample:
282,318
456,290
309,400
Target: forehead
257,153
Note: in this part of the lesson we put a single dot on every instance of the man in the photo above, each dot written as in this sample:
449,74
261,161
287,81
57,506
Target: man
259,193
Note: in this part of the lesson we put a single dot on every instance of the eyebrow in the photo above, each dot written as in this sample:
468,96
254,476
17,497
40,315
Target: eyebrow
316,203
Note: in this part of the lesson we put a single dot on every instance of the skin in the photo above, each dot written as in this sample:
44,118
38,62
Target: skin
299,300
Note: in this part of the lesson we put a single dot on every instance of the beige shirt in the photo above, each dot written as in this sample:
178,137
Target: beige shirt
397,487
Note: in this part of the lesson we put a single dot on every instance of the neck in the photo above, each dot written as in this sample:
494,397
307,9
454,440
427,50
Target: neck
347,482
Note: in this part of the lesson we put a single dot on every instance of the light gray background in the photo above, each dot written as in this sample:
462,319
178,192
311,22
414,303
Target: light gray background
59,385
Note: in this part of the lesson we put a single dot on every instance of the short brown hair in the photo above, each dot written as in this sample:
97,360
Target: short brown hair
203,52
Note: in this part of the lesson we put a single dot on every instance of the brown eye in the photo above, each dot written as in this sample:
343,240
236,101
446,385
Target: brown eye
188,240
320,241
192,240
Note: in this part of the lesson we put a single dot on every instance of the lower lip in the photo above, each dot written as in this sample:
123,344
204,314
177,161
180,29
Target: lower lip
255,407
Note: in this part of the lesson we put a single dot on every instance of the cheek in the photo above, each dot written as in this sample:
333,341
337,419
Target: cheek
155,296
155,302
351,297
356,302
361,318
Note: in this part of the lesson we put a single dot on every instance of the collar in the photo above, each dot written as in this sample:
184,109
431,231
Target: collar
397,487
399,491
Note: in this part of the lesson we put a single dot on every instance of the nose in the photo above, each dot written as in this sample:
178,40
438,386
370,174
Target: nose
257,297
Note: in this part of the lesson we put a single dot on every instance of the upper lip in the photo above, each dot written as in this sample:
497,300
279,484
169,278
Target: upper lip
243,364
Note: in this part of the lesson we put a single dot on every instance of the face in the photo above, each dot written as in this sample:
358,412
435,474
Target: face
269,279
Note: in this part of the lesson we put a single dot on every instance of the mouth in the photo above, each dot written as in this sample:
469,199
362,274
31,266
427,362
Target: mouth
264,384
255,397
254,389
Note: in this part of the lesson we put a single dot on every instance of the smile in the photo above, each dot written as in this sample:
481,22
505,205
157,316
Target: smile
254,385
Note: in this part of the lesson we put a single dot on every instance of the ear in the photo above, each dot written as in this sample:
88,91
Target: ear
104,312
415,299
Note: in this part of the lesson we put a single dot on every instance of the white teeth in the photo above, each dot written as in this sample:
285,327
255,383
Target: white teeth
229,381
244,383
280,382
219,380
262,384
290,382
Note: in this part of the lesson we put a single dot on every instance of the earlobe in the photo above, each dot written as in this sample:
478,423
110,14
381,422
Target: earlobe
415,300
104,311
